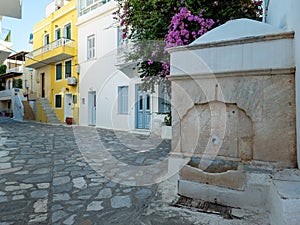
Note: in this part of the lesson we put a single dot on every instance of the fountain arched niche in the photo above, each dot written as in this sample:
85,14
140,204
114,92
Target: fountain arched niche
235,144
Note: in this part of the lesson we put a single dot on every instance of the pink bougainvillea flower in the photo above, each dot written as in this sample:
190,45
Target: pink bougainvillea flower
150,62
182,28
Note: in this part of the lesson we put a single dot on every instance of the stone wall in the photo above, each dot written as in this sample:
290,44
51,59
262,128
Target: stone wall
254,116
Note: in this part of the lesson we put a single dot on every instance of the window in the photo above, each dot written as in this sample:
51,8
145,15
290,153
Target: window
58,101
89,2
148,102
91,47
58,70
46,39
57,34
123,100
120,39
9,84
82,4
164,98
68,68
74,99
67,31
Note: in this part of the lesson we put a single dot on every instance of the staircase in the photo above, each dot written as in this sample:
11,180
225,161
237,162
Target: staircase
28,112
51,116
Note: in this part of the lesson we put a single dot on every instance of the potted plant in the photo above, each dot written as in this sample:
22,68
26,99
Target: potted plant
69,120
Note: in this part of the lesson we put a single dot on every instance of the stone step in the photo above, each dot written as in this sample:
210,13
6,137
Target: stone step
51,115
284,198
28,112
253,197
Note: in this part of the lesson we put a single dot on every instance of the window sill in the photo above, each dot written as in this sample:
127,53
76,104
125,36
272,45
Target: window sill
91,59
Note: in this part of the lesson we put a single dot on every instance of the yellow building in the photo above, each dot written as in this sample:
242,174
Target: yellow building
54,57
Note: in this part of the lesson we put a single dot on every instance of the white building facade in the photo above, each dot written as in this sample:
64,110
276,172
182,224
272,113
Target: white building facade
285,16
109,98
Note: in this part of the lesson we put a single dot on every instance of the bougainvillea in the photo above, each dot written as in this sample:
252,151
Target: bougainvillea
174,22
186,27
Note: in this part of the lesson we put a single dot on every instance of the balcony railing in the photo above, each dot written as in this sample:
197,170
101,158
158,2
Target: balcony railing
53,45
5,34
11,92
7,93
18,69
96,3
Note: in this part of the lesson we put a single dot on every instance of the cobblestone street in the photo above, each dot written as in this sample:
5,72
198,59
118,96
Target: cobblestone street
44,178
51,175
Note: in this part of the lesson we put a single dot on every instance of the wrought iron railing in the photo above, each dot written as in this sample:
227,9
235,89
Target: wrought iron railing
53,45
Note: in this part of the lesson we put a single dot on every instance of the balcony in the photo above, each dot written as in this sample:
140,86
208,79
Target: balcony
18,69
56,51
8,94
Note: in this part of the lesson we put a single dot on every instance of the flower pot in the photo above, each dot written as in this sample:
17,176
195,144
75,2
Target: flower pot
166,132
8,114
69,120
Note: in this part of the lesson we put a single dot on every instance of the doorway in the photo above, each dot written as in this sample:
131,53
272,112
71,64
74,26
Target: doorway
92,103
68,106
43,84
142,108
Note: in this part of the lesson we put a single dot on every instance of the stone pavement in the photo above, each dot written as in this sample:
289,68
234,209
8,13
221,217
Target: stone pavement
78,175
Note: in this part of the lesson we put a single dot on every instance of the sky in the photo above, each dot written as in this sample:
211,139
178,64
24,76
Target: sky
33,11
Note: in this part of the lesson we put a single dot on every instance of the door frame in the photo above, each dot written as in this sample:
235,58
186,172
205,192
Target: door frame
92,108
43,91
145,122
67,105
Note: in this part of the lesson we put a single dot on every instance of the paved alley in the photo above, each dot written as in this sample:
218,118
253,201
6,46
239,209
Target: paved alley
60,175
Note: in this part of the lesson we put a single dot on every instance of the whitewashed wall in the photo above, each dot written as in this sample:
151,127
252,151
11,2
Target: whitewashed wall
101,74
94,72
285,15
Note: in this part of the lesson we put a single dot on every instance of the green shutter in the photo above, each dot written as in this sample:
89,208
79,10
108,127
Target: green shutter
58,71
68,69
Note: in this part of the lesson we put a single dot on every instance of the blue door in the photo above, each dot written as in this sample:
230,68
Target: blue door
142,108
